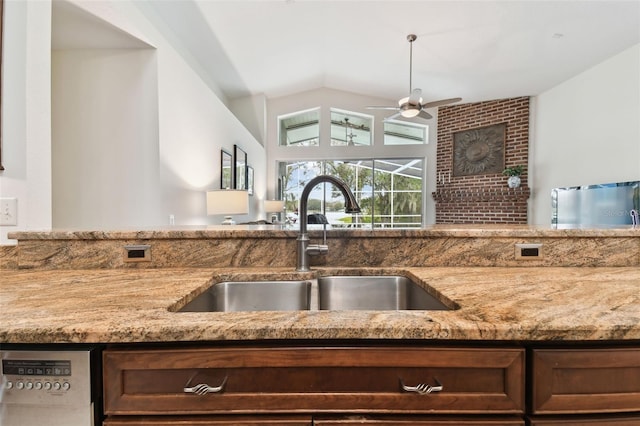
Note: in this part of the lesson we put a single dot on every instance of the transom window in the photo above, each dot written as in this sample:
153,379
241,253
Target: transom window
350,129
300,128
347,129
398,132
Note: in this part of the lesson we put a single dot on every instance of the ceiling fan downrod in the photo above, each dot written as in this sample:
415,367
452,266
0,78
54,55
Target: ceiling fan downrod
411,38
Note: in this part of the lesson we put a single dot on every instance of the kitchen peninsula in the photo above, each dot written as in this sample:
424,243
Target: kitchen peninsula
577,305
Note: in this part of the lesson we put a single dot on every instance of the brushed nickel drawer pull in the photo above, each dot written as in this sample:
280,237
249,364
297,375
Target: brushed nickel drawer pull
203,389
423,388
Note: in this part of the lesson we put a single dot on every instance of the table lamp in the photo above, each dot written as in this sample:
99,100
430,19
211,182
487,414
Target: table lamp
227,202
274,206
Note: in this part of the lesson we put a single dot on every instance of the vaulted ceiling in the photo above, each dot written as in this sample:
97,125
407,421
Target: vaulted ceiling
477,50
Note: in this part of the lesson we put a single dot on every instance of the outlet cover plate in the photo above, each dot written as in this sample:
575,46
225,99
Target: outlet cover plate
529,251
8,211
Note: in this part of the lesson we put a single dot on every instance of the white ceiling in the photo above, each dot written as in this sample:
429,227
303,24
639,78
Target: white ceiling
477,50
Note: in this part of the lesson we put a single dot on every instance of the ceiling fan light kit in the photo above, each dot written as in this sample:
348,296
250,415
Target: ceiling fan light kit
412,105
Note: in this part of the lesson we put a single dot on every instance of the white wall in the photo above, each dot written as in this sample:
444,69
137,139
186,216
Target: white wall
194,126
26,113
586,131
105,138
325,99
252,112
178,159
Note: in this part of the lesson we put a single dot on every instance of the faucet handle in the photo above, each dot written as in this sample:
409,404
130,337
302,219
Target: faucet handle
317,249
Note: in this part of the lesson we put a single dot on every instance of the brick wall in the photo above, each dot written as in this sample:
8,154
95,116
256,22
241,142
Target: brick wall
482,198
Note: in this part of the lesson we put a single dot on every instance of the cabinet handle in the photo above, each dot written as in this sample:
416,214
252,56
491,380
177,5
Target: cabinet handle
203,389
423,388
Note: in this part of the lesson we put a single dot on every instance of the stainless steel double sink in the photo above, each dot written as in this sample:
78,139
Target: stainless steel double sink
378,292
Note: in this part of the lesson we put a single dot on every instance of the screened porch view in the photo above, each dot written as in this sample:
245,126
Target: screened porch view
389,191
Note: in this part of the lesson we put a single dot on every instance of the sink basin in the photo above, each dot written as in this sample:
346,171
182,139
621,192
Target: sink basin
378,292
253,296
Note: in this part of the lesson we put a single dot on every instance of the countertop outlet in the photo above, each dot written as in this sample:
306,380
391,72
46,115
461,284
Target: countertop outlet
531,251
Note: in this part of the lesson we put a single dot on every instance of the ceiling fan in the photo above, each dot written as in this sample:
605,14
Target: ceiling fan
413,106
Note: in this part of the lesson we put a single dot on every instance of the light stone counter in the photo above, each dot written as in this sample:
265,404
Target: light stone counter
276,231
273,247
495,303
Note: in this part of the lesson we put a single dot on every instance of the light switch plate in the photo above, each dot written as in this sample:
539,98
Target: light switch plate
8,211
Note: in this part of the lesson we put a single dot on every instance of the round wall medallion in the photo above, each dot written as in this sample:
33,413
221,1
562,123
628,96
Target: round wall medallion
479,151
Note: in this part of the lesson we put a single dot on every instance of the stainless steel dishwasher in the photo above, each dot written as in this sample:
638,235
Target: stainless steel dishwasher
50,385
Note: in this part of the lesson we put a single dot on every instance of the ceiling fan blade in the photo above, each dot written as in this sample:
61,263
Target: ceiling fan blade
425,115
383,107
441,102
414,98
392,117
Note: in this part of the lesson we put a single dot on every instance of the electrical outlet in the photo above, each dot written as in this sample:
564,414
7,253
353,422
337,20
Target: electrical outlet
137,253
8,211
529,251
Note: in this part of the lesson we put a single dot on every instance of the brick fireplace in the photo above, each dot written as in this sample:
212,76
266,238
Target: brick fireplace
482,197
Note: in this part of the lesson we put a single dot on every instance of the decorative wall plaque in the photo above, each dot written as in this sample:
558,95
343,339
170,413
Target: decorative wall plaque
479,151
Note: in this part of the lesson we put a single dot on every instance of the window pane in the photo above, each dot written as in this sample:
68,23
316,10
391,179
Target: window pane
358,176
398,193
294,177
389,191
300,129
402,133
350,128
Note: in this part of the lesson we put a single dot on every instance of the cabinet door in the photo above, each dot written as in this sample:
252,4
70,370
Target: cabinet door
586,380
293,420
314,379
416,421
587,421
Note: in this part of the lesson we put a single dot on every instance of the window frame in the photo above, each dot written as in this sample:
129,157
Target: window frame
367,191
282,118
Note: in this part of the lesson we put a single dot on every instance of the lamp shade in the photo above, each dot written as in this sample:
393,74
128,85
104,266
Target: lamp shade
273,206
227,201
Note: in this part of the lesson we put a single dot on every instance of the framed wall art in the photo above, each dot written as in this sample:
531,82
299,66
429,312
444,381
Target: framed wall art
240,168
226,167
479,151
250,180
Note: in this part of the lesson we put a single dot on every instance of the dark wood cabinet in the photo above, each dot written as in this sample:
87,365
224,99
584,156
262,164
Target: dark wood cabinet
407,420
238,420
371,384
313,379
592,420
603,380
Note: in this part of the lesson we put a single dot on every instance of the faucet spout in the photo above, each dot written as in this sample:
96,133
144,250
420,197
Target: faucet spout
350,206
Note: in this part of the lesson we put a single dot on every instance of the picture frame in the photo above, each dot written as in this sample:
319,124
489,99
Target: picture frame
240,168
226,169
250,180
479,151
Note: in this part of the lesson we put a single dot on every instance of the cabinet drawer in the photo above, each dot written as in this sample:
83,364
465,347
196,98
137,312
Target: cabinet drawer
299,420
313,379
586,380
612,420
416,421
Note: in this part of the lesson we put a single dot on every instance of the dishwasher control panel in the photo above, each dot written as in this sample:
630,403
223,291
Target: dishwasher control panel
47,375
31,377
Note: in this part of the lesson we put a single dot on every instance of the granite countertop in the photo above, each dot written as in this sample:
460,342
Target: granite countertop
494,303
282,231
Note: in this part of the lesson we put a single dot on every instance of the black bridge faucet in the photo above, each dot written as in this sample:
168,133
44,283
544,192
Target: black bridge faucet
304,249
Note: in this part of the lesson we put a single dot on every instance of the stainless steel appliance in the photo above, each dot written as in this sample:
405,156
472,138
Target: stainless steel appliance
603,205
49,386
